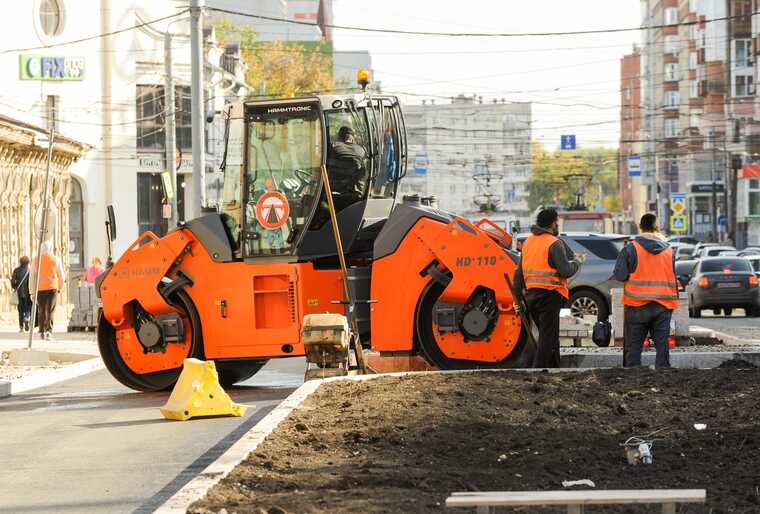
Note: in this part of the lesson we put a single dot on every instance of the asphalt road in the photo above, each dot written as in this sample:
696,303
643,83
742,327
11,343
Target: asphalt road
737,324
90,445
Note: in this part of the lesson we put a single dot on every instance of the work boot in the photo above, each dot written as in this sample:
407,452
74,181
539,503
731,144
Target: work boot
26,326
21,328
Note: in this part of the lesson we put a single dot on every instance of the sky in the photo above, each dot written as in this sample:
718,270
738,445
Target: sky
573,80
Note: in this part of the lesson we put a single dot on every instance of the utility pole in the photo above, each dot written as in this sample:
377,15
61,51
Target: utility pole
170,126
714,196
197,109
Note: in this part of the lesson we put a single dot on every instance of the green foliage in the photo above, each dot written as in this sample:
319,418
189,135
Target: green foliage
559,176
280,68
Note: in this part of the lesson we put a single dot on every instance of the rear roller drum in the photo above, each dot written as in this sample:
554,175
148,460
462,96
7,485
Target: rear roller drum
234,372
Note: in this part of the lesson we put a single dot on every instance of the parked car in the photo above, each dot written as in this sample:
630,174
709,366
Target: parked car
749,251
683,239
684,271
754,260
590,288
724,283
684,251
712,251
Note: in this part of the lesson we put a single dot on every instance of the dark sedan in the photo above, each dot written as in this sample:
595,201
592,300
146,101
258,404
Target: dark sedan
724,283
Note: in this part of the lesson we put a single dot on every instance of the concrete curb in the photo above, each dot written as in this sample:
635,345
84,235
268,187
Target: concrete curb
45,377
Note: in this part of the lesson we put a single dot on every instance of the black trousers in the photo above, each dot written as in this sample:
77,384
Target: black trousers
46,301
24,309
651,319
544,308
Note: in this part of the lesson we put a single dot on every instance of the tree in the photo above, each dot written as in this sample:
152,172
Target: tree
561,178
280,68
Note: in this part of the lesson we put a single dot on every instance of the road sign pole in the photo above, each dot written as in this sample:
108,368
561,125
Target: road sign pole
41,236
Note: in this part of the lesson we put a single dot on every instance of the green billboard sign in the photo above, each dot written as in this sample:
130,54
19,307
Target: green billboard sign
44,67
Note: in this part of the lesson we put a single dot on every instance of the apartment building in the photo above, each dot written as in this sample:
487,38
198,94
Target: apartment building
473,155
633,192
700,113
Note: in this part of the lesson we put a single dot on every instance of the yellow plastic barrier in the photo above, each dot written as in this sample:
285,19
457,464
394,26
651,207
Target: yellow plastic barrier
198,393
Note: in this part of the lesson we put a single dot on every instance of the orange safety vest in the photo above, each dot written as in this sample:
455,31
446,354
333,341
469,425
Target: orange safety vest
49,278
653,281
535,265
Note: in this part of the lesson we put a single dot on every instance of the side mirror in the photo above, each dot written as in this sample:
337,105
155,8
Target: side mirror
111,223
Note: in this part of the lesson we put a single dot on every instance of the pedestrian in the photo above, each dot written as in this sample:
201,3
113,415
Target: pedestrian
546,262
20,284
49,285
647,268
94,270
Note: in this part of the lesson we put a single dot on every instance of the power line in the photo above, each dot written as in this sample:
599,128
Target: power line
98,36
471,34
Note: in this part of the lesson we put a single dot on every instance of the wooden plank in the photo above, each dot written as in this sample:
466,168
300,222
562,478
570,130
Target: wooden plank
610,497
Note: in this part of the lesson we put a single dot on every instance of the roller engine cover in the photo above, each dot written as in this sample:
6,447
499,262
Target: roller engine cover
477,318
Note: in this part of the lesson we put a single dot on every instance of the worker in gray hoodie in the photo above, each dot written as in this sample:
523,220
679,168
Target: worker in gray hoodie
646,266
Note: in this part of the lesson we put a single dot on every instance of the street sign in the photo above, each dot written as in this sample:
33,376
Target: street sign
678,203
722,220
166,177
567,142
634,166
420,163
678,223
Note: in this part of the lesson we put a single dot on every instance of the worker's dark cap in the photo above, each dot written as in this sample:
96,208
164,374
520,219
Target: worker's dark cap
546,217
346,131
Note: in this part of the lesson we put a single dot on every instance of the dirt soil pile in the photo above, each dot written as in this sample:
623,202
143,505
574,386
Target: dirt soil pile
404,444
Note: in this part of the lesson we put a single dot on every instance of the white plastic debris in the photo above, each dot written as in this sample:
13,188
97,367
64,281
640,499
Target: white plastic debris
700,426
571,483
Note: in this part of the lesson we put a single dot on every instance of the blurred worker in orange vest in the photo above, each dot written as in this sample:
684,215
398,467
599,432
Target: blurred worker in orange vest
647,268
546,263
49,285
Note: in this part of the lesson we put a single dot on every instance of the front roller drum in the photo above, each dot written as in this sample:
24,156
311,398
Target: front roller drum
428,338
161,379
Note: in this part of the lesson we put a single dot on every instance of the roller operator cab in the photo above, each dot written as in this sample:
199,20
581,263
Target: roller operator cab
233,286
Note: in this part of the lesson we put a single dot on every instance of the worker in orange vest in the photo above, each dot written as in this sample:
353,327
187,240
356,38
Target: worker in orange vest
546,263
49,285
647,268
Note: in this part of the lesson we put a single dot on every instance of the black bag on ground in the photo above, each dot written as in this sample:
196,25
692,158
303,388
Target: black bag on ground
602,333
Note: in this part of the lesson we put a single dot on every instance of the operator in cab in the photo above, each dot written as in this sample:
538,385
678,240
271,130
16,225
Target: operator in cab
546,262
346,168
647,268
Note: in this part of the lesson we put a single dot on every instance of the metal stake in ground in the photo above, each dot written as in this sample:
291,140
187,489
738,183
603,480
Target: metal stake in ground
344,273
41,236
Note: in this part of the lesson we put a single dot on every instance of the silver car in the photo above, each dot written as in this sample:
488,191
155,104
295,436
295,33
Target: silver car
590,288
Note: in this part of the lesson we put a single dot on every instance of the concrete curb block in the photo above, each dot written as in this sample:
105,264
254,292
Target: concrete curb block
46,377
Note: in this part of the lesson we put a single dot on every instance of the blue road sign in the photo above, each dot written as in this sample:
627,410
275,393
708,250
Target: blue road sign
420,163
567,142
634,166
678,223
511,196
722,220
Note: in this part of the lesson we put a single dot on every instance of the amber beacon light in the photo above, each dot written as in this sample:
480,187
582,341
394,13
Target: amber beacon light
362,77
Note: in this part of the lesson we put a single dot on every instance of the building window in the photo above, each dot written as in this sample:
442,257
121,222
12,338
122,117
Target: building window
693,32
694,119
150,117
183,119
754,198
76,226
51,17
693,6
51,112
693,60
742,53
672,99
671,71
671,44
671,16
693,89
151,199
744,86
671,127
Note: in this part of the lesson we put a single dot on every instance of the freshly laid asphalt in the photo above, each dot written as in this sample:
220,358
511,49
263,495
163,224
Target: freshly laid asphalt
90,445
